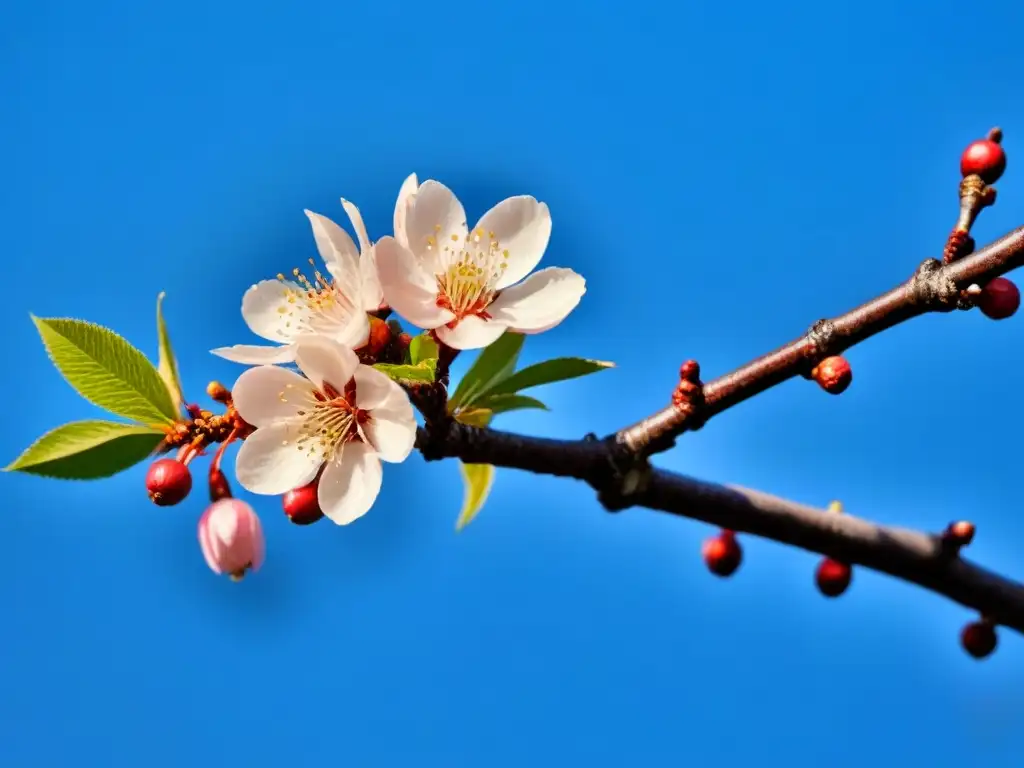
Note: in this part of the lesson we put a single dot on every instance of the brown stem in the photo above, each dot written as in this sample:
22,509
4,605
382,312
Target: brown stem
919,558
933,288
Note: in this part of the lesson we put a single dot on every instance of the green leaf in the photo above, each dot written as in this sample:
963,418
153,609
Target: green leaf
548,372
494,364
478,479
106,370
421,373
87,450
167,365
421,348
474,417
507,402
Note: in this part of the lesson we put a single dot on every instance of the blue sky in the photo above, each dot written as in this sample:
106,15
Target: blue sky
723,174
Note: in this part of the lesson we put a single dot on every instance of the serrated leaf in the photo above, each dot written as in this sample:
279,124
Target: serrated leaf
87,450
508,402
421,348
548,372
167,364
477,479
421,373
106,370
474,417
493,365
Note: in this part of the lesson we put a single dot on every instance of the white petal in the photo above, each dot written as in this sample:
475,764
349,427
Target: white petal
271,461
357,224
371,296
252,354
350,483
372,293
324,361
472,333
338,252
540,302
392,429
268,394
522,226
409,187
376,390
266,310
435,217
408,288
352,329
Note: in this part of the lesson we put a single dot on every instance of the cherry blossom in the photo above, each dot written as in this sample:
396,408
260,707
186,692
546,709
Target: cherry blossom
339,417
469,286
332,304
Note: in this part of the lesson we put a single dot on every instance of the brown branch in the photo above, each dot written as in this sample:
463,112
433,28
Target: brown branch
618,469
933,288
918,558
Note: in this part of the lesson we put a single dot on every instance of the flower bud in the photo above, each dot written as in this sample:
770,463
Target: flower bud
231,538
380,337
168,482
979,639
722,554
218,392
302,506
833,374
833,577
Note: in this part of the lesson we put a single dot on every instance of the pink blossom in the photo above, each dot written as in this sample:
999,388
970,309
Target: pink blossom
231,538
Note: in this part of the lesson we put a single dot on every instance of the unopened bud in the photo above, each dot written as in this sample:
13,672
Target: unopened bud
218,392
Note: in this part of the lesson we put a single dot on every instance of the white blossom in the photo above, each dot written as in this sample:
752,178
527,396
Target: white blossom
332,304
468,285
339,416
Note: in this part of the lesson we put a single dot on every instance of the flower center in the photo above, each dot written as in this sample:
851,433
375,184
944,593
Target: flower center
329,421
313,305
467,272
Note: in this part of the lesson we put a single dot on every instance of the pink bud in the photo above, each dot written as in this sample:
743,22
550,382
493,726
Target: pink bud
231,538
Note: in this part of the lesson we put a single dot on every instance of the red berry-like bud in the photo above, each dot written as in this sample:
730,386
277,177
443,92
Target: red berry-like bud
999,299
690,371
168,482
301,505
984,158
380,336
722,554
979,639
961,533
833,577
833,374
404,340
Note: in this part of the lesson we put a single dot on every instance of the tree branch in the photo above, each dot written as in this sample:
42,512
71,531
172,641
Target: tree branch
934,287
618,469
918,558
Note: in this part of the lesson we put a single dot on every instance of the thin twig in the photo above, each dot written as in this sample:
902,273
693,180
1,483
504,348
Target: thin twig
933,288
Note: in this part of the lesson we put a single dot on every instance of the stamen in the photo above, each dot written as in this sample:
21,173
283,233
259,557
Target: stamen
468,274
329,422
316,304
